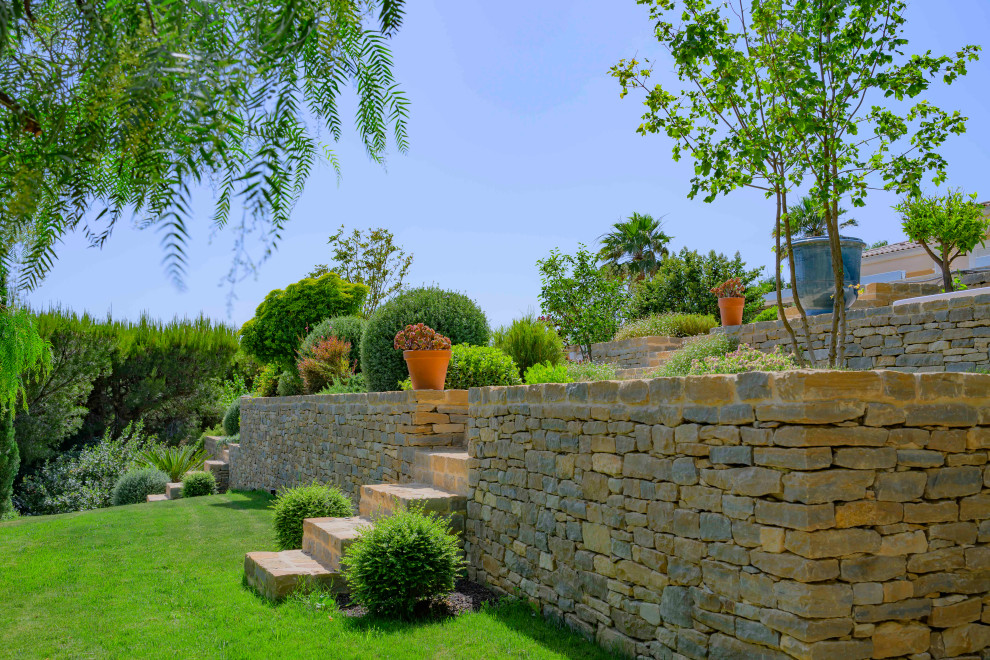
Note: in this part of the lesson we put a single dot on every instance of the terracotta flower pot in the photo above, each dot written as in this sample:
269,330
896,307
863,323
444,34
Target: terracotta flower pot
731,310
427,369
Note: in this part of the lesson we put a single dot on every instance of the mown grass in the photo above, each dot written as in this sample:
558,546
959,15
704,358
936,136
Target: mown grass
165,580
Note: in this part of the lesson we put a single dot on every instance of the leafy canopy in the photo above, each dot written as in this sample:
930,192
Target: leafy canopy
947,226
580,299
372,259
108,107
285,316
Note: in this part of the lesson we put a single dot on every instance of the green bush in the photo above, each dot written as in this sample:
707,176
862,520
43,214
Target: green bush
769,314
289,383
547,373
174,461
293,505
348,328
84,479
324,364
449,313
696,348
232,419
273,335
479,366
405,559
196,484
134,486
684,282
529,341
347,385
744,359
667,325
266,382
587,370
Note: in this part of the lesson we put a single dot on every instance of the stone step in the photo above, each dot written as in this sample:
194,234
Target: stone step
158,498
326,539
444,469
276,574
385,499
173,490
221,473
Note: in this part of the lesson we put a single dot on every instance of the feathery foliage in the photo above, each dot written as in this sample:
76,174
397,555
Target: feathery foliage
108,107
635,246
173,461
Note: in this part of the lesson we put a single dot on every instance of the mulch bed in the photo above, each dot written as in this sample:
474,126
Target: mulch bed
467,597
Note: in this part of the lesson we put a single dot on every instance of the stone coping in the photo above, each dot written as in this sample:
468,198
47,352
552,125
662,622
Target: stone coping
952,295
450,397
802,386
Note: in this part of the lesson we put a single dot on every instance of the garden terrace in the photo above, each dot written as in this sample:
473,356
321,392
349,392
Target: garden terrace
935,335
791,515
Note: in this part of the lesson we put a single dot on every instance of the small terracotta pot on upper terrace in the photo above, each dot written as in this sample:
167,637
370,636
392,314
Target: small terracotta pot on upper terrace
427,369
731,310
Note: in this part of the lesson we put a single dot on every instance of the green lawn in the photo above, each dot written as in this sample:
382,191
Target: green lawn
164,580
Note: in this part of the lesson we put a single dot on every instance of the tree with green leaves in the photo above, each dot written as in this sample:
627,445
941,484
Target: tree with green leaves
580,299
108,108
370,258
808,220
634,247
947,227
775,93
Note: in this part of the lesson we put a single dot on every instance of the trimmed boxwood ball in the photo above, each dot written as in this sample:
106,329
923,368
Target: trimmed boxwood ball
232,419
293,505
348,328
134,487
449,313
406,558
196,484
290,383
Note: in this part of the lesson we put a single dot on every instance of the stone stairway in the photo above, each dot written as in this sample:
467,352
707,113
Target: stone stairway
439,483
219,466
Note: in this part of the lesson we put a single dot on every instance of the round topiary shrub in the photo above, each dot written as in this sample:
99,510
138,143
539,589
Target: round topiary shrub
530,341
480,366
347,328
196,484
134,487
405,559
272,336
449,313
232,419
293,505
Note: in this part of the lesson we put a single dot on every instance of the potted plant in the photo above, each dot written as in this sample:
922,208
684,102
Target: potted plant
427,354
814,276
731,300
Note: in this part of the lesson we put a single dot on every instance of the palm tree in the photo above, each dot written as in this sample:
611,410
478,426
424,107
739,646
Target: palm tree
635,246
808,221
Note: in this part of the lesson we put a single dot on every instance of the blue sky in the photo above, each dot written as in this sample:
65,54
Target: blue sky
519,144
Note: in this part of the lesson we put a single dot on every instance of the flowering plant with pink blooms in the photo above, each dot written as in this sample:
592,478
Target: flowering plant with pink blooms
420,337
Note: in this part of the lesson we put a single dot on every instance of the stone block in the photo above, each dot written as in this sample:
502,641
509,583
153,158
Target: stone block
931,512
817,601
793,458
676,606
807,517
949,612
904,610
731,455
754,481
827,486
805,630
967,638
904,543
872,568
829,436
793,567
853,649
900,486
725,647
976,507
865,458
893,639
868,513
832,542
954,482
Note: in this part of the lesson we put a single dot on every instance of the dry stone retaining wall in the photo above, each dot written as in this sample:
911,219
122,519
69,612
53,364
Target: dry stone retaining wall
796,515
938,335
635,353
345,439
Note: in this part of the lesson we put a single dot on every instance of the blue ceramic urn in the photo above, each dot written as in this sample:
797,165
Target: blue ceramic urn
814,279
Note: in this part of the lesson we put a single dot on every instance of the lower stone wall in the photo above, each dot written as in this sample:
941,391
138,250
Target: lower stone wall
938,335
635,353
345,439
795,515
